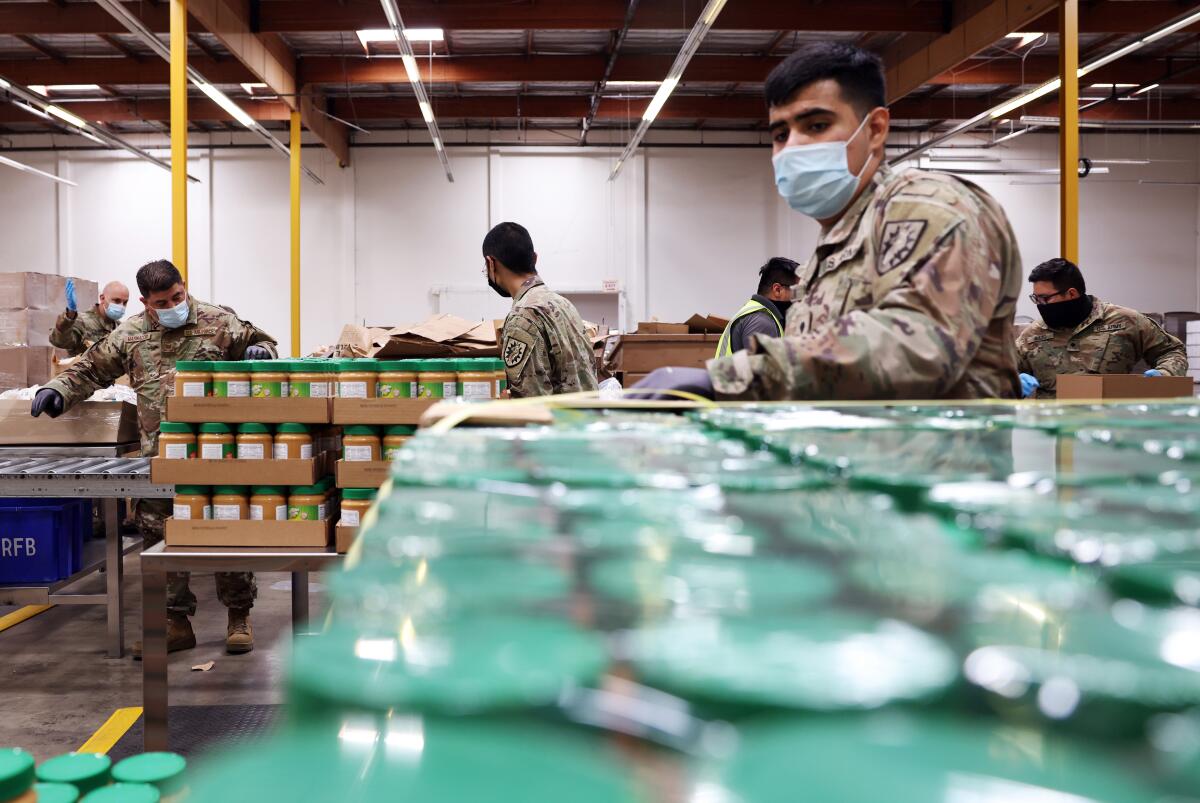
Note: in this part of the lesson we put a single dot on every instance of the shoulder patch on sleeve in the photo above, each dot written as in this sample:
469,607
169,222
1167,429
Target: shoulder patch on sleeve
900,239
518,346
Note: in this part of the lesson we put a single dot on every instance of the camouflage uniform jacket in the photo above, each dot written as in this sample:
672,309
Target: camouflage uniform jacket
1111,340
76,333
147,351
545,346
910,295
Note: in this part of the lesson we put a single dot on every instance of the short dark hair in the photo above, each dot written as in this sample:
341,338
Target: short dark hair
858,72
779,270
1062,273
156,276
511,244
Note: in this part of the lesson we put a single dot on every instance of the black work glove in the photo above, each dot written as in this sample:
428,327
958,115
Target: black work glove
48,401
257,353
689,380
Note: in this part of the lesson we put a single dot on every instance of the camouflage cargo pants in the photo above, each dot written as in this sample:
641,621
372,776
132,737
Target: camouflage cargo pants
234,589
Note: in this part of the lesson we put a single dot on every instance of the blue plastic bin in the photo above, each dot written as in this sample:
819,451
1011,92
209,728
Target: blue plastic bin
41,540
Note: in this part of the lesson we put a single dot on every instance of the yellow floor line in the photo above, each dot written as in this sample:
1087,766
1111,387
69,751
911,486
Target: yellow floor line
111,731
21,614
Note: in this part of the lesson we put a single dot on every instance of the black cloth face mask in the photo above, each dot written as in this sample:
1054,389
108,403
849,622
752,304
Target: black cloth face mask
500,291
1066,314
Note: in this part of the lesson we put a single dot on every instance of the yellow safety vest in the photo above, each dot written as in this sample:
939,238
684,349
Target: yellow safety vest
724,347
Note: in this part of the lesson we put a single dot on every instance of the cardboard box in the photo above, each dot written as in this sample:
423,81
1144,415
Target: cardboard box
344,538
641,354
25,366
380,412
362,474
660,328
210,532
27,327
1123,386
706,324
85,424
23,290
238,472
211,410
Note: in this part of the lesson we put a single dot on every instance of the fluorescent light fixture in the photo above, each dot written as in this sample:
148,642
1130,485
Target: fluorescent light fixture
249,88
29,107
1027,97
74,87
1026,38
1146,88
65,115
1014,134
690,45
410,67
370,36
221,99
437,143
1113,86
1120,161
4,84
424,34
1172,28
426,111
631,84
93,138
24,168
660,98
39,89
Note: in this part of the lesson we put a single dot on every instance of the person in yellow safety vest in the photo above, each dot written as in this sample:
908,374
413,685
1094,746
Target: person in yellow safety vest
766,311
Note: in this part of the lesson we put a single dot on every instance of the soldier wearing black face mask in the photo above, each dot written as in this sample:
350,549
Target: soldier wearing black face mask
766,312
1082,335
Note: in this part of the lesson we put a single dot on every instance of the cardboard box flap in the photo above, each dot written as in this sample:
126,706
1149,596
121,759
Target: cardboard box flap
87,423
359,341
438,329
706,324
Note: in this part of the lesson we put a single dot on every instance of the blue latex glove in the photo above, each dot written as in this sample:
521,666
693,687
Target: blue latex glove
256,353
691,380
1154,372
1029,384
71,295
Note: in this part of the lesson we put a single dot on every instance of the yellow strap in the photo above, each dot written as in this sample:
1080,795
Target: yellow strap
108,734
21,614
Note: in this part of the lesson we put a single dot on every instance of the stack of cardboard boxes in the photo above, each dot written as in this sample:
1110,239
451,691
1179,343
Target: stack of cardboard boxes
29,305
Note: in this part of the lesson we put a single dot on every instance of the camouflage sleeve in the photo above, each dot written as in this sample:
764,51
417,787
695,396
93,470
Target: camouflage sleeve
1165,352
915,343
66,335
526,358
99,367
1023,364
244,334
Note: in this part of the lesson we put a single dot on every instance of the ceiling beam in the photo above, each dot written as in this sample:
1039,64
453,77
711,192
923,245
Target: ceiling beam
760,15
118,71
1038,69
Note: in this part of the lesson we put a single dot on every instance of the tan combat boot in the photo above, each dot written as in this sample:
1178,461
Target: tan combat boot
179,635
239,637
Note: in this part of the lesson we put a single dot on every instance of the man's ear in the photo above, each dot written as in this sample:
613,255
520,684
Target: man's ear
1072,293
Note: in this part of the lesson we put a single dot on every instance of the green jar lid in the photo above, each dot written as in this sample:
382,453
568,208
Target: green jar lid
56,793
164,771
422,759
192,490
359,493
849,661
253,429
1092,668
16,772
175,429
193,365
306,490
232,366
715,584
325,483
365,364
417,365
292,429
215,429
398,365
84,771
314,366
438,366
123,793
268,490
229,490
361,429
400,429
904,757
471,665
268,366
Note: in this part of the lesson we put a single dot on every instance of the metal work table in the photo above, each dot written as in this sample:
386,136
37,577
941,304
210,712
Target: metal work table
160,559
61,472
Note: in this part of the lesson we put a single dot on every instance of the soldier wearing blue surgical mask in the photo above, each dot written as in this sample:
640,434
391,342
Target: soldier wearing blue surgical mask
76,330
912,289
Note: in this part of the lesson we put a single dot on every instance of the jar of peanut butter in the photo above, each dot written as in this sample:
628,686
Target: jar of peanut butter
357,379
231,379
268,503
361,443
230,503
312,379
437,379
191,503
254,442
176,441
293,442
307,503
394,439
476,379
397,379
216,442
193,378
269,379
355,504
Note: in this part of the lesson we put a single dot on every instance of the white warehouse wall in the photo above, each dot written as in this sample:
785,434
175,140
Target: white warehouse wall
682,230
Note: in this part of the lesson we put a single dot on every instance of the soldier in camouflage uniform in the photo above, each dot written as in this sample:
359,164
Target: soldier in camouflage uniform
75,331
1080,334
913,286
146,347
543,343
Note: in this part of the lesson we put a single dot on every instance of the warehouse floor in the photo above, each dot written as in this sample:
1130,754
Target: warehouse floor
59,686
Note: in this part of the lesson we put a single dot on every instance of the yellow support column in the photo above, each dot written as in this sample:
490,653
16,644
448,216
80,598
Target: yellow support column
1068,129
295,171
179,118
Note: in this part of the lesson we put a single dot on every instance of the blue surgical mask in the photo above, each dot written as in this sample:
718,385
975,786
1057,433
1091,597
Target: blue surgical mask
174,317
815,179
115,312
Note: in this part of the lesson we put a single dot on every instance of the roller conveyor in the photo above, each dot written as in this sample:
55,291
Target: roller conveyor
95,477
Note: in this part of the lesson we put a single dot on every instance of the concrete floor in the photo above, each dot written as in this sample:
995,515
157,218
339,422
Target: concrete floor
57,685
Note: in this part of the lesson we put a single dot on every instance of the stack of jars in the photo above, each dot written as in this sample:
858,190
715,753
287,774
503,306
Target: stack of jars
256,503
219,442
